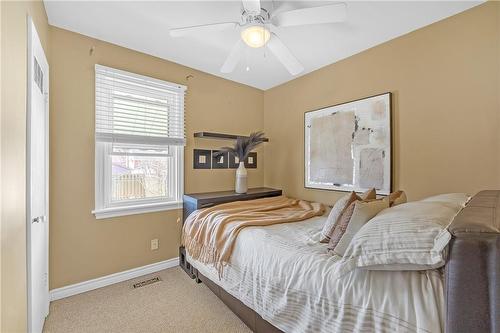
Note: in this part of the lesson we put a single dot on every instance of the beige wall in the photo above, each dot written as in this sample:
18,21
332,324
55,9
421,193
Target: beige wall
445,81
13,152
498,93
82,247
1,104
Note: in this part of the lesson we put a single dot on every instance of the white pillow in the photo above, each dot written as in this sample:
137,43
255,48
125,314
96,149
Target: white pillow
460,199
410,236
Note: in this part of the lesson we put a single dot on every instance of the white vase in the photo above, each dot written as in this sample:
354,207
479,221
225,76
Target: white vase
241,179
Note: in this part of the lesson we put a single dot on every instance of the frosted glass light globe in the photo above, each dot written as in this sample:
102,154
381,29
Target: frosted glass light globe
255,36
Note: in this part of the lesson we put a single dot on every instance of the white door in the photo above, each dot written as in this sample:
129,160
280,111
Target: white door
37,182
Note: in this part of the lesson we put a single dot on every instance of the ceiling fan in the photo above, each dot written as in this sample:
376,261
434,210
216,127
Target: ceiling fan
256,27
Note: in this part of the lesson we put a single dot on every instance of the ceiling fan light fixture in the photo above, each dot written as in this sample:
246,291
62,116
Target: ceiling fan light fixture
255,36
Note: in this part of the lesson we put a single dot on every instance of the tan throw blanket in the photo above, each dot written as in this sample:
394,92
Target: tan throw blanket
209,234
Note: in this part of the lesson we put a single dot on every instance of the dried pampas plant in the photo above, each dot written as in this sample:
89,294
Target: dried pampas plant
244,145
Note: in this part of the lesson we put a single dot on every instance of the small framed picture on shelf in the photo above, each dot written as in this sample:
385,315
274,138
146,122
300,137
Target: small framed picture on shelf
234,161
202,159
251,161
219,159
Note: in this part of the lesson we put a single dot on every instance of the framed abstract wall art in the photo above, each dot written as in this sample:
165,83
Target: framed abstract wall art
348,146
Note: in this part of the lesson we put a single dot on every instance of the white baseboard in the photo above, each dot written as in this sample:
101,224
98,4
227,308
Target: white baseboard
107,280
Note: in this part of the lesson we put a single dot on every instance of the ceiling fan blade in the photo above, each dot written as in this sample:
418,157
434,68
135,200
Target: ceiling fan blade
314,15
178,32
284,55
233,58
251,6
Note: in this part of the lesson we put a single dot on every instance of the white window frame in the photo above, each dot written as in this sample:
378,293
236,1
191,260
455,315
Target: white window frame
105,208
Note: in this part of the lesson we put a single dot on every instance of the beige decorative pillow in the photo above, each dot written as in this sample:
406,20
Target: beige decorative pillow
397,198
360,213
341,226
335,214
371,194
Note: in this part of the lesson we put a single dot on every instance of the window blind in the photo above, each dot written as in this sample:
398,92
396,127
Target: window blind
135,109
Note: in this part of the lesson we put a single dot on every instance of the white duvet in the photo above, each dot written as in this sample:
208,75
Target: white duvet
286,275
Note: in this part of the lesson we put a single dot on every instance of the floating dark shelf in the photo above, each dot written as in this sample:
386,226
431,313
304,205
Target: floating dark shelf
220,136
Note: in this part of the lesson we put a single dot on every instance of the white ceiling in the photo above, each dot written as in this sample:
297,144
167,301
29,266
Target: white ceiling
144,26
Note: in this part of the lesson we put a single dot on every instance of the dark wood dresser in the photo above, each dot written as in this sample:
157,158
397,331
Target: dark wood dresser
196,201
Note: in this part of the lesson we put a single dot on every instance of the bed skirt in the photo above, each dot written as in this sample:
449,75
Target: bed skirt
251,318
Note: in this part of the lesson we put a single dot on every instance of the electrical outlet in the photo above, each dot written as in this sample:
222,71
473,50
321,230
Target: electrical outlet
154,244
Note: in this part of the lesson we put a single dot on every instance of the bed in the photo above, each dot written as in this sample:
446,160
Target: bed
280,278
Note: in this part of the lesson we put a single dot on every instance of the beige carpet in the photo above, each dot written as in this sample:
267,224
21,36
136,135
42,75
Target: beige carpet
175,304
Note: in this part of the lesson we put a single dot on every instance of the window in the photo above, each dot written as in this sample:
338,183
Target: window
139,139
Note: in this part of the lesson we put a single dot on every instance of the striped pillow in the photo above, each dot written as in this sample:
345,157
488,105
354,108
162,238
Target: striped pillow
410,236
460,199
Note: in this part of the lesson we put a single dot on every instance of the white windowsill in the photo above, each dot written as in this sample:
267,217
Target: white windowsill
138,209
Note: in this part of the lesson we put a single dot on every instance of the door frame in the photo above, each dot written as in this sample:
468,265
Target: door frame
31,33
